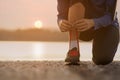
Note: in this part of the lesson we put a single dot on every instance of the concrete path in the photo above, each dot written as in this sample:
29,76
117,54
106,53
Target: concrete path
57,70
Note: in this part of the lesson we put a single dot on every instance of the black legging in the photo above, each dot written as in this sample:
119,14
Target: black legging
105,43
105,39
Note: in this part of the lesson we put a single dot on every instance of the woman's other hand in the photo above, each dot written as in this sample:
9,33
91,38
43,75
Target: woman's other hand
64,25
84,24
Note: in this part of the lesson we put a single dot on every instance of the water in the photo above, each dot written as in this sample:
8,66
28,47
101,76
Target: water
42,51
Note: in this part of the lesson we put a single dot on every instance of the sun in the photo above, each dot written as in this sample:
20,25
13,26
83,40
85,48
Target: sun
38,24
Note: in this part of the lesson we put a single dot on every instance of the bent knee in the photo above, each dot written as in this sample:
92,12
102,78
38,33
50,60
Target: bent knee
72,2
87,35
102,61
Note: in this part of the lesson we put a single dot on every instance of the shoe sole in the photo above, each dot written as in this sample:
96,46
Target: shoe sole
72,60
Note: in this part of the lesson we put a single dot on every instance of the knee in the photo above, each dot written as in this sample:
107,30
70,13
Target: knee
84,38
87,35
72,2
102,61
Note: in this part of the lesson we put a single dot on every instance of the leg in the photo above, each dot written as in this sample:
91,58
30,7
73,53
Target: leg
87,35
76,12
105,45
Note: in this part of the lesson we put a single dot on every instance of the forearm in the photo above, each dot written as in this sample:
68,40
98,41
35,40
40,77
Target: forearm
103,21
62,7
108,18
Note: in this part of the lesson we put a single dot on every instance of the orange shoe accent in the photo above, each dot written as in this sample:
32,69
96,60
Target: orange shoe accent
74,53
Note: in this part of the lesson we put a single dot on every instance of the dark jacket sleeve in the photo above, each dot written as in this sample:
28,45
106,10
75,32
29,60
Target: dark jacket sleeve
108,18
62,7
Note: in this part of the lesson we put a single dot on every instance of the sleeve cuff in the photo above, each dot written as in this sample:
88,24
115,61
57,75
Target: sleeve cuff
97,25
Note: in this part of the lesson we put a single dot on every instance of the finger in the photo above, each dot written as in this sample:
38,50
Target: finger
81,25
65,27
79,21
79,29
66,22
82,28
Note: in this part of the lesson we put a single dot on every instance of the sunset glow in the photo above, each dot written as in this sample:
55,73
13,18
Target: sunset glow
38,24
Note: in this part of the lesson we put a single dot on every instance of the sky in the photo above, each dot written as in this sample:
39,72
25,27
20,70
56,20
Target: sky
21,14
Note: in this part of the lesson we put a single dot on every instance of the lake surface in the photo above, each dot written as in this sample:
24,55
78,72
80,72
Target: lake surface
13,50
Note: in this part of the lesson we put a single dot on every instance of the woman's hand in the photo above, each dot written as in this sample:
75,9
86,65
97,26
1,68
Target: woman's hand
84,24
80,25
64,25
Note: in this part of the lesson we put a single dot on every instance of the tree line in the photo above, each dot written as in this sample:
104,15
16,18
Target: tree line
32,35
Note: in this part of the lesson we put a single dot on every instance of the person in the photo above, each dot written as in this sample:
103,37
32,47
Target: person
99,24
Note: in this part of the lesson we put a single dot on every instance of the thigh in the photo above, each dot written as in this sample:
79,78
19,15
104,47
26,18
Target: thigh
105,44
87,35
72,2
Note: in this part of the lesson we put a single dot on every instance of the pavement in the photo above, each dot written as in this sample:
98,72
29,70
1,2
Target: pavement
58,70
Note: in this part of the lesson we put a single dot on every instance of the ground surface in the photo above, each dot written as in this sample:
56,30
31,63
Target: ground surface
57,70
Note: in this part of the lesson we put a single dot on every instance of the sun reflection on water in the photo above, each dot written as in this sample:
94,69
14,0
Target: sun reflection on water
38,51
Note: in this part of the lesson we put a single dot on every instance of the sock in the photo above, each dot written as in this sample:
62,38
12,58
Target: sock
73,44
73,39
